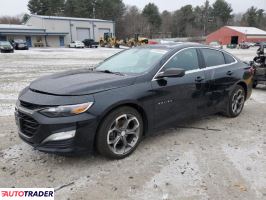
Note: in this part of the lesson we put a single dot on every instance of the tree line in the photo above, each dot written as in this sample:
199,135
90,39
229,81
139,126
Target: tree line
188,21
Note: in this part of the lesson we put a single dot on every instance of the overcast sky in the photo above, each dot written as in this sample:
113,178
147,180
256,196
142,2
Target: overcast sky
15,7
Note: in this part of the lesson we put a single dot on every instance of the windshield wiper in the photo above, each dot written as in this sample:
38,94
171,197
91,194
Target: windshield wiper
111,72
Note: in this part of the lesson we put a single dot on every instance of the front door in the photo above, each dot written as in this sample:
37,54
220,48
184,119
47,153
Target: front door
62,41
179,98
28,40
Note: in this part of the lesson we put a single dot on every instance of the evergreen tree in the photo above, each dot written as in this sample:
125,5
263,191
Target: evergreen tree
70,8
152,14
221,13
254,17
46,7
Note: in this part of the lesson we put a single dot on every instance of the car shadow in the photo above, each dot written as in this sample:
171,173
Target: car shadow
193,124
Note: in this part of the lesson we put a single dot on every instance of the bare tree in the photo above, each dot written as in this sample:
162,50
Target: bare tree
10,20
134,22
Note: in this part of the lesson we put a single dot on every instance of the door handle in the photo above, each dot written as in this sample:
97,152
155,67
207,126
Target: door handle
229,73
199,79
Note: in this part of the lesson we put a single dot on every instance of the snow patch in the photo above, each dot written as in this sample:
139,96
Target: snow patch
169,182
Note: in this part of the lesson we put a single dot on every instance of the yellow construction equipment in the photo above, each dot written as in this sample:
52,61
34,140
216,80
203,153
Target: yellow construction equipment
137,41
109,41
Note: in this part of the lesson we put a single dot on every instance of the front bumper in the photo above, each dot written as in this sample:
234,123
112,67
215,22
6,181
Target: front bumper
35,128
22,48
7,50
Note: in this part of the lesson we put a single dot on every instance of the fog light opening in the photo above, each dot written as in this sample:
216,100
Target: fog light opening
60,136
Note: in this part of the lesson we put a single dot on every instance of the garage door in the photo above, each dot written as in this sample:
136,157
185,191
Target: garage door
83,33
102,31
2,38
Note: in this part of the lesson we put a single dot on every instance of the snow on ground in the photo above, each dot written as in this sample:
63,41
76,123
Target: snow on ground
22,67
196,162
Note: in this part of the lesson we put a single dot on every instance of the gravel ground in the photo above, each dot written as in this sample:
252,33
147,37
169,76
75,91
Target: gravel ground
211,158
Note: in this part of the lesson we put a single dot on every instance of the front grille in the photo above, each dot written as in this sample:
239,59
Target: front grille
31,106
28,125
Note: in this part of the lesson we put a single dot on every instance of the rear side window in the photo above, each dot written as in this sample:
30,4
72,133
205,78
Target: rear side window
228,59
213,57
186,59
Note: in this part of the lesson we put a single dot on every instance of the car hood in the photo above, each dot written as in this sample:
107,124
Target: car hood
6,46
80,82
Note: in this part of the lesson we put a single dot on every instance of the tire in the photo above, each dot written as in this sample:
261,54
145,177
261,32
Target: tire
120,133
236,102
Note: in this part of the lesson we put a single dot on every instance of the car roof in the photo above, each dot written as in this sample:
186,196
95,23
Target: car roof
174,46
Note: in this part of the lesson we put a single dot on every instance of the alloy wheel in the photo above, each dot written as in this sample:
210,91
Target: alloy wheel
238,101
123,134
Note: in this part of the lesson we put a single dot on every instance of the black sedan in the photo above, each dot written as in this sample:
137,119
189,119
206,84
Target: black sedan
130,95
90,43
6,47
20,45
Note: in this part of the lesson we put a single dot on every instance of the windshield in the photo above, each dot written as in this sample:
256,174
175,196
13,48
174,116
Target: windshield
133,61
214,43
20,41
4,43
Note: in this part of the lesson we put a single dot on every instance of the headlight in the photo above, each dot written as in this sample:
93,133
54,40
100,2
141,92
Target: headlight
65,111
1,47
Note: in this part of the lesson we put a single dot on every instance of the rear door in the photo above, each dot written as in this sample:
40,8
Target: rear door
220,76
179,98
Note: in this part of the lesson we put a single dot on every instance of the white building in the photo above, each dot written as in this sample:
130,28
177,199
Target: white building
56,31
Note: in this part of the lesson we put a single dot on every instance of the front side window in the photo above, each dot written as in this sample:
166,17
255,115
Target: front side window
186,59
213,57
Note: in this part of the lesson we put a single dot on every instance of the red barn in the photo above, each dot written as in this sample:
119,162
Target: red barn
237,34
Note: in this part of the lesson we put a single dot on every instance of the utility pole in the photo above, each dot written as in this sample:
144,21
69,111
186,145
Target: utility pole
93,9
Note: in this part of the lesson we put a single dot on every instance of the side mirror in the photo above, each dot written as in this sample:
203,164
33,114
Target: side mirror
172,73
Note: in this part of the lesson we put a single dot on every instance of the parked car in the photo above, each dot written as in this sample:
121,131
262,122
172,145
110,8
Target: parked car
244,45
231,46
258,44
216,45
6,47
20,45
76,44
263,44
251,44
90,43
130,95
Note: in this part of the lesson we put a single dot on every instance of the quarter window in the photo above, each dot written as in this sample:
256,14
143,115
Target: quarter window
186,59
213,57
228,59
